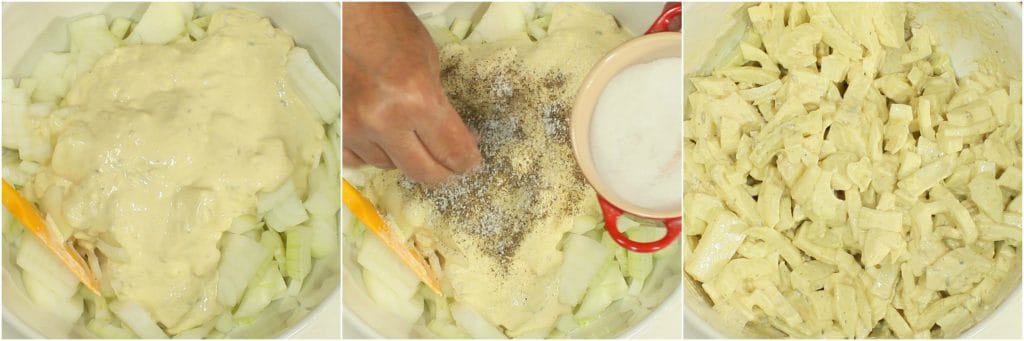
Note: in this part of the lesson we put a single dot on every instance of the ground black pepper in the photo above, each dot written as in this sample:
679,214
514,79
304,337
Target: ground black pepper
528,172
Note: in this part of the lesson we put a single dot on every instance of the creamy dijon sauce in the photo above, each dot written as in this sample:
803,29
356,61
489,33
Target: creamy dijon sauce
165,146
522,295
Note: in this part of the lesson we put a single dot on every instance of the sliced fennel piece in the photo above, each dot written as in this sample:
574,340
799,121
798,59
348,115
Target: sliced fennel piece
435,20
639,265
318,91
528,10
54,74
671,251
663,280
11,172
566,323
20,122
28,84
225,322
473,323
195,31
298,257
97,308
585,223
243,223
242,257
583,259
273,319
442,35
376,257
282,209
202,22
163,22
137,319
324,196
460,28
107,330
325,235
323,203
12,229
538,333
199,332
607,287
438,28
440,320
15,106
119,27
447,330
272,241
407,310
615,319
268,286
331,157
295,313
90,39
266,201
546,9
66,309
321,282
538,28
280,313
502,20
287,216
618,252
36,260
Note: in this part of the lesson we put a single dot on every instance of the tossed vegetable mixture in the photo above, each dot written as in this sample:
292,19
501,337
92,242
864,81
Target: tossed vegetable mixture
518,243
192,160
842,181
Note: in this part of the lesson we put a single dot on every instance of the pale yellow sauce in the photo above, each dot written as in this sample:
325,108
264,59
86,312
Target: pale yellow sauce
166,145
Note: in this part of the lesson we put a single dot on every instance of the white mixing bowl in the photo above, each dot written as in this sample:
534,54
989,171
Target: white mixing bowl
967,31
363,318
29,30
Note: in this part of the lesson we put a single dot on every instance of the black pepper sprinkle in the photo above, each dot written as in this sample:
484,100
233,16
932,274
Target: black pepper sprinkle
528,177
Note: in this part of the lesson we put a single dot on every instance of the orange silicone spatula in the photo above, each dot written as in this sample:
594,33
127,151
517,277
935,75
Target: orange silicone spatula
364,210
27,214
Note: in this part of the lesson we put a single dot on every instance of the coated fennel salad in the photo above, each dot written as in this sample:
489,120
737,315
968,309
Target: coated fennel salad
844,181
518,244
191,158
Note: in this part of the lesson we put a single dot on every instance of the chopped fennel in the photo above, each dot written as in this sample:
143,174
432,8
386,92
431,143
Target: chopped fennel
841,178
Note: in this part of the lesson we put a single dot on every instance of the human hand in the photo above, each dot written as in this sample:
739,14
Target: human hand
395,112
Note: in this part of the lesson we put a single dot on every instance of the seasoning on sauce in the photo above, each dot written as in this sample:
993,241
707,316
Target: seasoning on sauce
165,145
498,227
